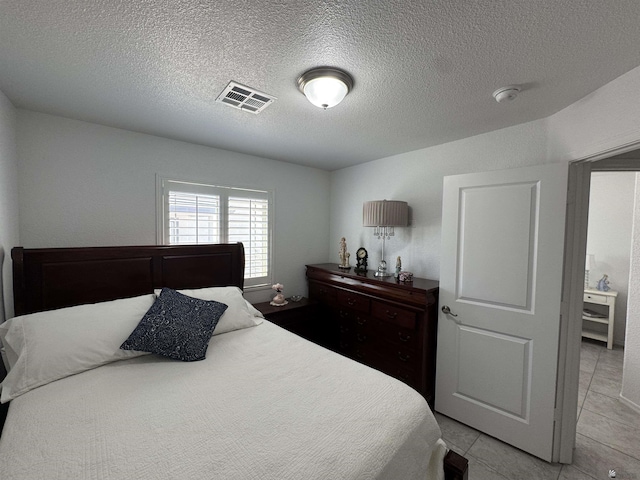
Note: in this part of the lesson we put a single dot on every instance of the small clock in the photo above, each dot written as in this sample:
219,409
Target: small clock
361,260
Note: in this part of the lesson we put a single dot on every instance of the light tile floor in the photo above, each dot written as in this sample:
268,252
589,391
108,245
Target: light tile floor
608,432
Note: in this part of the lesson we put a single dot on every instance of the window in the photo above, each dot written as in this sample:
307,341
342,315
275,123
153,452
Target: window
193,213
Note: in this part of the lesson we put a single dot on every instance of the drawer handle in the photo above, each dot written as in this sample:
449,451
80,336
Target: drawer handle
351,302
403,358
403,337
391,315
361,321
361,338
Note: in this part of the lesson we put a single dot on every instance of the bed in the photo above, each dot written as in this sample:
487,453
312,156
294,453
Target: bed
263,403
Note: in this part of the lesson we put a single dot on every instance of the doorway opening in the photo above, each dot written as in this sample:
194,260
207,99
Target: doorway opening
576,252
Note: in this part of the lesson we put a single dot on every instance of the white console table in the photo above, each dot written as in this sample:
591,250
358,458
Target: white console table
607,299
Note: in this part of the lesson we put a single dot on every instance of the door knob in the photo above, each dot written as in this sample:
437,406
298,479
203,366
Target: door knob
447,311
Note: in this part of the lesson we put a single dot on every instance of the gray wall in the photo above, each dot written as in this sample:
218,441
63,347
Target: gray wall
8,202
83,184
416,177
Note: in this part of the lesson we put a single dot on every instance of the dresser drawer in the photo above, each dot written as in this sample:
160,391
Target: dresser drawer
400,358
353,301
363,350
354,336
598,298
409,375
353,322
396,315
322,293
353,319
397,335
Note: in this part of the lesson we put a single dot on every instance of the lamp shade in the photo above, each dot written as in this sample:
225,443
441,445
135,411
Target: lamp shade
385,213
590,262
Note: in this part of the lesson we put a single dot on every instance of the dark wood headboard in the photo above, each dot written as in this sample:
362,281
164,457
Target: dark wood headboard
50,278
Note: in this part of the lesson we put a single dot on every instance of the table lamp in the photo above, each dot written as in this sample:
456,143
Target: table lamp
589,264
384,215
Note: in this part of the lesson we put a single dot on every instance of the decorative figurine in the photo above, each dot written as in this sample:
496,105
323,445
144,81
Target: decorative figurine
361,260
398,267
278,300
344,255
603,283
405,277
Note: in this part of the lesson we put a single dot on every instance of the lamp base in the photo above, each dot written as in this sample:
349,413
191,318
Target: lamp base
382,270
383,274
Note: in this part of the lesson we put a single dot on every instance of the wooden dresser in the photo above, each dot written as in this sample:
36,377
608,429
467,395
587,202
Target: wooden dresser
382,323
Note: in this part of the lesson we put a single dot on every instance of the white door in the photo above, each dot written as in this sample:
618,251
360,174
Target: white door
501,278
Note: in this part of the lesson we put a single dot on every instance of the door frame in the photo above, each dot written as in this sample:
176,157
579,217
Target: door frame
568,376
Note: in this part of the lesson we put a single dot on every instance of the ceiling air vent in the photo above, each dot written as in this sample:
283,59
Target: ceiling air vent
245,98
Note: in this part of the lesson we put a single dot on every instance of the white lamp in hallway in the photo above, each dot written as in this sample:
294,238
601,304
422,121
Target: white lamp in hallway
589,264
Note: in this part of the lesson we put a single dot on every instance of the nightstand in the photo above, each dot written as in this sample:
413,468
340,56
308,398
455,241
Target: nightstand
297,317
605,316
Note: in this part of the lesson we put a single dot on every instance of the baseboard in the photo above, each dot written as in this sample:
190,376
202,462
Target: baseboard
630,404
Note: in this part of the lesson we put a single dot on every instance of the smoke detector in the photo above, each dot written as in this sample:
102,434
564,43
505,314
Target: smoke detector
506,94
245,98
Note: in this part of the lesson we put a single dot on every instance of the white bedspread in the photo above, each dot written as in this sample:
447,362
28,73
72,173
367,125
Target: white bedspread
265,404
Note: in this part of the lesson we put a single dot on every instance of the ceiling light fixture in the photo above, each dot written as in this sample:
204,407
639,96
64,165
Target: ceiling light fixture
325,87
506,94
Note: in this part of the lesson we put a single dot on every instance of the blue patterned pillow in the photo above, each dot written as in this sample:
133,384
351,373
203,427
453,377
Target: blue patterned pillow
176,326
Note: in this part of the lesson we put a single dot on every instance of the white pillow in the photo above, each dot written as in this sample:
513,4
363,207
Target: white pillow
51,345
239,314
9,357
3,354
5,360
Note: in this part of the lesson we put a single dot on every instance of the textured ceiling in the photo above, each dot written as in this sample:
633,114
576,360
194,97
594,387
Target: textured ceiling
424,71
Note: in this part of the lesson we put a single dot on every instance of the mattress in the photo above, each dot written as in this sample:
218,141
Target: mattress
265,404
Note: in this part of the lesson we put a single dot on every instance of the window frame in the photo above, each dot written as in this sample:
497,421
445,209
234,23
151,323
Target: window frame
198,186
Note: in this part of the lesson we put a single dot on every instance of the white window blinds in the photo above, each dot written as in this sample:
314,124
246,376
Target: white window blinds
249,224
195,214
193,218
